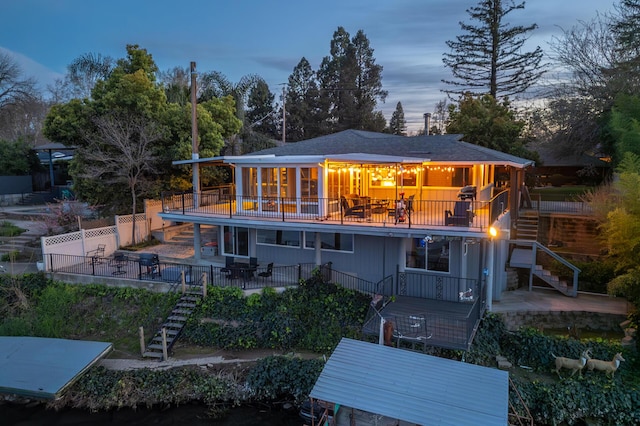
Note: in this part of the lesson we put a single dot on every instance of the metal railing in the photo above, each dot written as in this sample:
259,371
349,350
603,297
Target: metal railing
441,287
132,268
367,211
538,251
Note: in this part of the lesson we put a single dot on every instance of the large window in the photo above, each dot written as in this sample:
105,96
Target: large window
429,253
278,238
309,183
330,241
236,241
446,176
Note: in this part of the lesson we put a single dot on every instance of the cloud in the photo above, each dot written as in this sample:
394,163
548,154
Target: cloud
43,75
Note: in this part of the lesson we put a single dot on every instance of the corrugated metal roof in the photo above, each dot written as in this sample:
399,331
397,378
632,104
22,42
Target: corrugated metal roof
42,367
413,387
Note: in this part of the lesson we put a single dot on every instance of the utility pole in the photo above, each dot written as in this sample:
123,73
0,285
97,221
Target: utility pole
284,113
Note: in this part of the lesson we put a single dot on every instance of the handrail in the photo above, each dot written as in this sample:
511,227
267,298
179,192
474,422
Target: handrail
537,246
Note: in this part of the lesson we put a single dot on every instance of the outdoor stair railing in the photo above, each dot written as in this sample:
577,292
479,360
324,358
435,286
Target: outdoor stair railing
536,249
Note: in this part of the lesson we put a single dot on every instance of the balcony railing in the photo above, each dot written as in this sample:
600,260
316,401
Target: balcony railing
477,215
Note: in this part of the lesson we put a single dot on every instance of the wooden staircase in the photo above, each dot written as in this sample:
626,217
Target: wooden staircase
525,257
171,329
554,281
527,225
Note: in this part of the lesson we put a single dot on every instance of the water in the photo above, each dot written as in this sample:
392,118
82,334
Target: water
192,415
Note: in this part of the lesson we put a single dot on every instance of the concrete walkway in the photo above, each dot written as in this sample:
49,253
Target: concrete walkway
542,300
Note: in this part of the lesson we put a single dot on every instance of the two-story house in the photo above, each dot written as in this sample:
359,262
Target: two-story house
419,209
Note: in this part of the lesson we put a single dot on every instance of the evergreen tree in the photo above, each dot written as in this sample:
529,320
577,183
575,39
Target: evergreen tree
261,115
304,118
350,84
487,58
397,124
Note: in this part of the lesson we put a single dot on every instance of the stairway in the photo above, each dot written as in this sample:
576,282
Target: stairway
185,238
522,257
174,323
553,280
527,225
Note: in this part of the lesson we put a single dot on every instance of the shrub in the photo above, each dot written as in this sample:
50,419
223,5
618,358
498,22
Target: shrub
280,377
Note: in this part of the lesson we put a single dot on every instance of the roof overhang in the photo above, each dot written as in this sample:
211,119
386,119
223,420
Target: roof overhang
305,159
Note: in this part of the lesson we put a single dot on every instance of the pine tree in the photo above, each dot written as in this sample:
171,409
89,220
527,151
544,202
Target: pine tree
487,58
260,115
304,118
397,124
350,84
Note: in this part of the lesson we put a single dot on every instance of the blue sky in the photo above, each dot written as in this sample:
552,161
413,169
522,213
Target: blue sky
266,37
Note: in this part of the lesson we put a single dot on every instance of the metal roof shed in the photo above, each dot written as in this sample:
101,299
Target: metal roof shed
43,367
413,387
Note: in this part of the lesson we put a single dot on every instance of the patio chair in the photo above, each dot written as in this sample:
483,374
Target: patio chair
410,203
97,253
228,268
461,215
268,273
412,329
359,210
118,261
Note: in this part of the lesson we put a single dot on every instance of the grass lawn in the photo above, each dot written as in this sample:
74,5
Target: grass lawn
560,193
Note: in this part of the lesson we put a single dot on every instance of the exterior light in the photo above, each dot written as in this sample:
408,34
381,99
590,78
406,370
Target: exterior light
493,232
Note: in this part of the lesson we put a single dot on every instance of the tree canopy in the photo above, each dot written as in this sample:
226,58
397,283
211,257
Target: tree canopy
484,121
488,57
125,106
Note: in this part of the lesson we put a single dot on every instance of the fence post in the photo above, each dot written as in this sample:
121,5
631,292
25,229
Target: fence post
204,285
165,352
142,344
184,283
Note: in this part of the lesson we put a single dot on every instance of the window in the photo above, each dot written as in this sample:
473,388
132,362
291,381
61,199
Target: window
446,176
330,241
236,241
430,253
309,183
278,238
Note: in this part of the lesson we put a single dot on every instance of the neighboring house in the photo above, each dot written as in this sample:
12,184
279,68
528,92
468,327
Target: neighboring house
334,199
576,168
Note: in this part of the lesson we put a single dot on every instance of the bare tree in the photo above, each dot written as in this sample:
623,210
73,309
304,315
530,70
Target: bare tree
584,87
14,88
121,152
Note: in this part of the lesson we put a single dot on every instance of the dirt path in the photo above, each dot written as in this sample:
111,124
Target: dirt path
207,357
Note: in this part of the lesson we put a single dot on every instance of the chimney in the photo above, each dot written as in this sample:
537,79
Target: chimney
427,123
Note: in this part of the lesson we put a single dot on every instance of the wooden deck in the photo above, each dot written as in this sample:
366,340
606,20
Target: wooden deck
428,322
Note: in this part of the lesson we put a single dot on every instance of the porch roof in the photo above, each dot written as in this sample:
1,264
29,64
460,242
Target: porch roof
413,387
370,147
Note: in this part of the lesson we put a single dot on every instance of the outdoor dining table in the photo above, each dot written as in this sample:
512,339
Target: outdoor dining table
242,270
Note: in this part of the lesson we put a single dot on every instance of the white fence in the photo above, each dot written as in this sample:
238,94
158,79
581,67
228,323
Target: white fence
82,242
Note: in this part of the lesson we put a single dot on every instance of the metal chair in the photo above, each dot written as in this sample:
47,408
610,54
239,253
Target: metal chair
268,273
119,261
228,268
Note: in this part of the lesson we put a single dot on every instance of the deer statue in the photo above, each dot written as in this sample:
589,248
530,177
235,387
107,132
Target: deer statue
572,364
609,367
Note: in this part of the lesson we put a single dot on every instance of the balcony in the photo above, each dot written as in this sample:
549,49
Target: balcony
473,216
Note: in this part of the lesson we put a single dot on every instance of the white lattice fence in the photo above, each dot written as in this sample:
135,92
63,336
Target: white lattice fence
79,243
125,225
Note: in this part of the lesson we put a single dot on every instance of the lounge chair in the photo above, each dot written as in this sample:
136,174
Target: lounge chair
461,215
360,210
